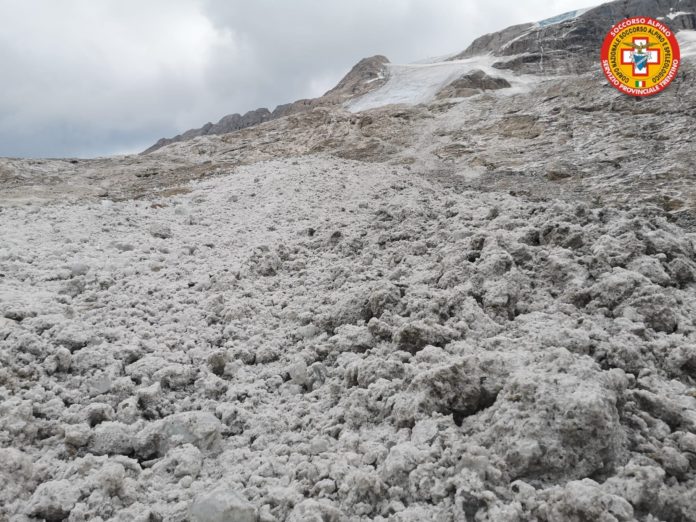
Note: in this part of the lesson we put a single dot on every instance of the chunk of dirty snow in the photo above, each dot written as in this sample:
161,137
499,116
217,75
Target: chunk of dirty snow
222,505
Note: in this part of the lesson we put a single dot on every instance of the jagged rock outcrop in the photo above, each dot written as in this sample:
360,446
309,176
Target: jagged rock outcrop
362,78
229,123
368,74
567,44
472,83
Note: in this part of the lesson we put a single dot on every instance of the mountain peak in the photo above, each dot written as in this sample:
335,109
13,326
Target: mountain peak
361,77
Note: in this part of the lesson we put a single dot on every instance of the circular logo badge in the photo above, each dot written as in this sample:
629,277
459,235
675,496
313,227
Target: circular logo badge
640,56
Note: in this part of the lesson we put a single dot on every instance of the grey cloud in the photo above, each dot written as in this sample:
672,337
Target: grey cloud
86,78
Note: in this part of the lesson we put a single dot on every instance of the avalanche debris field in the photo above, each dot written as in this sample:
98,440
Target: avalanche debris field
321,339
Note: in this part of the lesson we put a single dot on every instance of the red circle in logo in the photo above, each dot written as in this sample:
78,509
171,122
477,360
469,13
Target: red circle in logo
640,56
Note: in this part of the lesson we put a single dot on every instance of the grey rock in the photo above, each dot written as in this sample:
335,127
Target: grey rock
160,230
363,77
229,123
472,83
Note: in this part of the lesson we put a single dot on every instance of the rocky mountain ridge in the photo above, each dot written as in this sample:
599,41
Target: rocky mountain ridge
366,75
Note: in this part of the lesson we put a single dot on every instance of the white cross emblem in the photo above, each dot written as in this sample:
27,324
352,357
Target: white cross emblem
640,56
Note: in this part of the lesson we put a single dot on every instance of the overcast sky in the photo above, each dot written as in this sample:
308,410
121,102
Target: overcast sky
97,77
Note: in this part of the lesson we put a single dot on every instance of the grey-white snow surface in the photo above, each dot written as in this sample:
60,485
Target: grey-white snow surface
317,339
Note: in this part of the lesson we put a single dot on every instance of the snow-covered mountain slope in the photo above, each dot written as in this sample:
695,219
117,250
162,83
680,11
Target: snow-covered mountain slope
415,83
412,84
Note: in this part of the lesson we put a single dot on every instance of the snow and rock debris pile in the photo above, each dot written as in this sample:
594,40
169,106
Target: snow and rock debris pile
322,339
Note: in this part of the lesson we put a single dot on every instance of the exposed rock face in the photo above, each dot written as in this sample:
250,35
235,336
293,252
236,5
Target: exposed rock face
568,44
472,83
362,77
366,75
229,123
